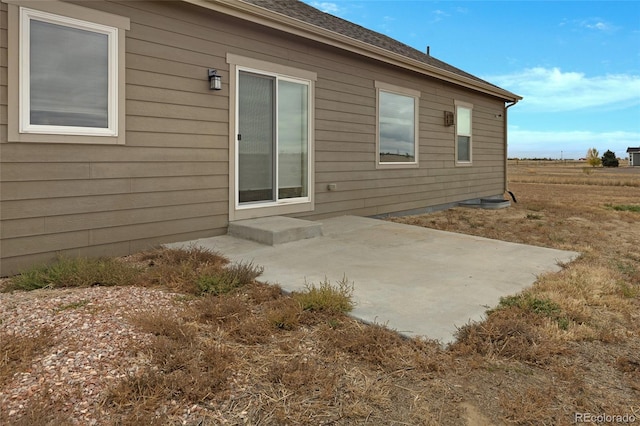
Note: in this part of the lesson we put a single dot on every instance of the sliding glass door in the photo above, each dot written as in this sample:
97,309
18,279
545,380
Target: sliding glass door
273,139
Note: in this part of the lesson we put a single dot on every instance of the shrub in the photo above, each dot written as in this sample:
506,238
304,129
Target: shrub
609,159
510,333
530,303
284,313
76,272
624,207
228,279
197,270
327,297
192,255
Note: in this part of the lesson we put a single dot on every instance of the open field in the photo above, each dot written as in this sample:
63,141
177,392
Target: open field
572,172
197,341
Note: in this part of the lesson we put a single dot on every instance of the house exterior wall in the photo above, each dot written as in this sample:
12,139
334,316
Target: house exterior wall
170,180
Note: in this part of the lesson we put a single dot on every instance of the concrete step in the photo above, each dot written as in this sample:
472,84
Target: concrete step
275,230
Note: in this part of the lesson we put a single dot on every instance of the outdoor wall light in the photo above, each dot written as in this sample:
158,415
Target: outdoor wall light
215,81
448,118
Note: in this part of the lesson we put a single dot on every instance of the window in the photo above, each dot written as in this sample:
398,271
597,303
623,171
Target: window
68,66
463,133
273,147
397,134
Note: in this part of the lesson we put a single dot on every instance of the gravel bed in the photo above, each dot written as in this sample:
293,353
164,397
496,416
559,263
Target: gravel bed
92,344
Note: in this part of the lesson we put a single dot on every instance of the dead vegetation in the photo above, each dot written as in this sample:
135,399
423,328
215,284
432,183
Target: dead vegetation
241,352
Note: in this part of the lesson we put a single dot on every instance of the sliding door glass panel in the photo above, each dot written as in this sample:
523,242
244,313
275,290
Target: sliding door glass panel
256,127
293,139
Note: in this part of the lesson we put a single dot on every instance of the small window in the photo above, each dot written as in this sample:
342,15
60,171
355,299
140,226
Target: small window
68,76
397,135
463,134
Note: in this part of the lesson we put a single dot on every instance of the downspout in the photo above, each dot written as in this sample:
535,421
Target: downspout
506,150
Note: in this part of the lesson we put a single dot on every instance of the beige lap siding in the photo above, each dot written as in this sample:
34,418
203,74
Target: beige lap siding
170,180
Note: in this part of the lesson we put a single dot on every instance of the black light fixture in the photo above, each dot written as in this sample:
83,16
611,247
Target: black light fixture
448,118
215,81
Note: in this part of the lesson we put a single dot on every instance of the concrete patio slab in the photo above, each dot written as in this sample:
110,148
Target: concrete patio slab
418,281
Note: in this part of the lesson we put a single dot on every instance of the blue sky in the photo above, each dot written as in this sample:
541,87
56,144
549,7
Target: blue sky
576,63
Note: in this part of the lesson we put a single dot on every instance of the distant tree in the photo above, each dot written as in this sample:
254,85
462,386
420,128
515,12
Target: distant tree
593,157
609,159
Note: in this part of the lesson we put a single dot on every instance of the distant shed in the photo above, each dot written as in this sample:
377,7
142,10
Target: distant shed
634,156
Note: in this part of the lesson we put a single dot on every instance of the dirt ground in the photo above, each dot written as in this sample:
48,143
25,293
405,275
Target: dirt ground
565,350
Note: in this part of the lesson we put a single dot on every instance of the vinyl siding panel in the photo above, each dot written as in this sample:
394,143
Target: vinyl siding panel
3,86
100,203
170,180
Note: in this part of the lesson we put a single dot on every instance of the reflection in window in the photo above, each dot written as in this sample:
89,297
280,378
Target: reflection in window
69,82
396,121
293,139
68,75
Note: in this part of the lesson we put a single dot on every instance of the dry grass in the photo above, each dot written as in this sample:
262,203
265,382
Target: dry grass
247,354
17,352
327,297
75,272
184,364
553,348
570,173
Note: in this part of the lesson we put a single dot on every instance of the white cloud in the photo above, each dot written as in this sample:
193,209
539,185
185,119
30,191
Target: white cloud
438,15
551,89
573,144
596,24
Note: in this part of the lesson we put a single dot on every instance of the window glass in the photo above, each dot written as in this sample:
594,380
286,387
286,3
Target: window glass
273,138
464,121
397,128
256,97
69,81
293,139
464,154
463,131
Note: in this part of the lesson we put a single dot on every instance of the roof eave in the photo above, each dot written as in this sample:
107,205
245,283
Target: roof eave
297,27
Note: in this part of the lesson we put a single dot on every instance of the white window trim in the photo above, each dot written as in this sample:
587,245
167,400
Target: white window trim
403,91
468,106
91,20
26,16
239,211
